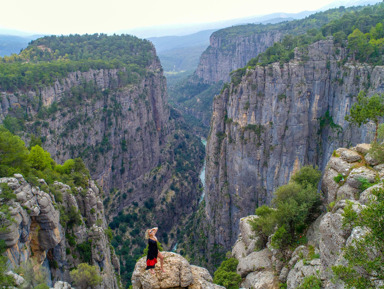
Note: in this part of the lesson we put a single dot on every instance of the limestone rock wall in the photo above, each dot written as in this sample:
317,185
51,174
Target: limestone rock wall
39,235
279,118
326,236
230,52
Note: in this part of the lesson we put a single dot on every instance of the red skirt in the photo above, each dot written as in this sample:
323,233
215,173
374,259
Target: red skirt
151,263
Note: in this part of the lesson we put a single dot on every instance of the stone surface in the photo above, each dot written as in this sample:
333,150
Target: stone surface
178,273
366,196
261,280
300,271
363,148
202,279
62,285
348,155
361,173
38,236
239,250
254,262
329,186
18,279
267,127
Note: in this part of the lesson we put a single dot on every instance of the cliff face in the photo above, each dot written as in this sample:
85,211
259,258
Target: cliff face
118,130
276,120
57,234
230,52
135,147
327,237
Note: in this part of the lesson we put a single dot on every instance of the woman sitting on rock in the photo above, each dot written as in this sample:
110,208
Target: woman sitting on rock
153,251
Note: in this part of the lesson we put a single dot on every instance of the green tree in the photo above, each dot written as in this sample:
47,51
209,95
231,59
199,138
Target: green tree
365,255
367,109
86,276
13,154
226,274
39,158
296,205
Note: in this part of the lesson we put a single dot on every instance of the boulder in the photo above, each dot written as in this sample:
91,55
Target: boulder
339,165
332,238
329,186
202,279
347,192
348,155
239,249
371,160
261,280
248,235
360,173
62,285
18,279
363,148
178,273
254,262
302,270
366,196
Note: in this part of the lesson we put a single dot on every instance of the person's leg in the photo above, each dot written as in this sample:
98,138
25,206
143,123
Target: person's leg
161,257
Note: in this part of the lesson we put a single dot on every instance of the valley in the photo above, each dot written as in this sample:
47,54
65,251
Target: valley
238,143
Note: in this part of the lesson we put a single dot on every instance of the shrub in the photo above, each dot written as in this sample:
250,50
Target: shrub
311,282
86,276
296,205
364,256
339,178
364,184
226,274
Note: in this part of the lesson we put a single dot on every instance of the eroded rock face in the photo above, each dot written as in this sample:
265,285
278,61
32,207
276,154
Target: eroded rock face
227,53
178,274
327,236
38,236
272,123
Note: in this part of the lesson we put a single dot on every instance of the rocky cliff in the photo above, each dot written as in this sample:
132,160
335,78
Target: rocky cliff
55,232
327,236
277,119
118,121
178,274
229,51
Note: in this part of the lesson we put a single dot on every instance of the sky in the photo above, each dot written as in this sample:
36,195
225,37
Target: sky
107,16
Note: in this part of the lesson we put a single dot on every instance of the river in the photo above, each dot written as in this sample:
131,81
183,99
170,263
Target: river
202,173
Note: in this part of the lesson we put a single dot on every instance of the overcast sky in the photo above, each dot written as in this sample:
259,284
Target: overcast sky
92,16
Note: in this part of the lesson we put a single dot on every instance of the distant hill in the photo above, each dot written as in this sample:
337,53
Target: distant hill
13,44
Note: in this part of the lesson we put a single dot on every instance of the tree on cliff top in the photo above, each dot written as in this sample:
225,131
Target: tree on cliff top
367,109
86,276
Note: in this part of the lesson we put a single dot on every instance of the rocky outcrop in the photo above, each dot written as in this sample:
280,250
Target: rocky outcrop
327,237
229,51
279,118
41,230
178,274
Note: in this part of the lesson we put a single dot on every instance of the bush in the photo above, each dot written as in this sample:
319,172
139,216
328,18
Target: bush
296,205
339,178
86,276
365,255
307,175
311,282
226,274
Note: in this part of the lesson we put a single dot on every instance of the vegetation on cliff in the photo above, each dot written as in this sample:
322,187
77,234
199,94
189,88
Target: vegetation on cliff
51,58
294,206
361,31
365,255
